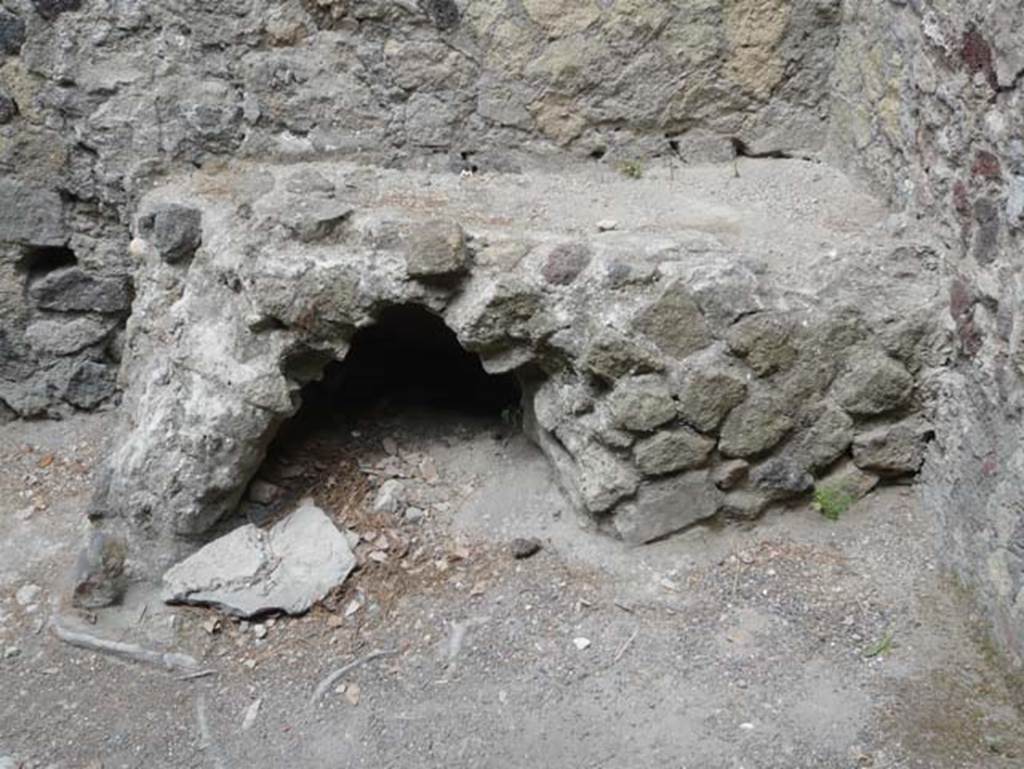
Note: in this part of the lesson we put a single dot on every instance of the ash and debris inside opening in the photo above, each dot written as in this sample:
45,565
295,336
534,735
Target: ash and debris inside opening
367,446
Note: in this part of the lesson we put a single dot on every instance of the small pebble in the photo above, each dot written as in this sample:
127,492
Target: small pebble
524,548
27,594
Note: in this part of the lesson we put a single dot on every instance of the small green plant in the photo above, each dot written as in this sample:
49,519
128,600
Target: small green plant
884,646
832,501
634,169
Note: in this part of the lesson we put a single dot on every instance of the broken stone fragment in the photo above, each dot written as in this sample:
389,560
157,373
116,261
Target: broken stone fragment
763,340
98,575
250,571
175,231
604,479
729,475
389,497
308,182
8,108
263,492
316,220
496,316
522,548
707,397
754,426
781,477
873,384
665,507
67,336
669,451
51,9
744,504
30,215
827,439
674,322
726,293
641,403
12,33
895,449
436,250
72,289
90,384
612,355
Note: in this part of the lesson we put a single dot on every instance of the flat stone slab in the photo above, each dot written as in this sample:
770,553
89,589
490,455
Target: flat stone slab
252,571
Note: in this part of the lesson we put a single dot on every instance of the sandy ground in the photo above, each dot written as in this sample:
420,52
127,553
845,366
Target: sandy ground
796,643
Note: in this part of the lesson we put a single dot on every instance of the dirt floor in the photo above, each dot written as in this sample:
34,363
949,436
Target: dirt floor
797,643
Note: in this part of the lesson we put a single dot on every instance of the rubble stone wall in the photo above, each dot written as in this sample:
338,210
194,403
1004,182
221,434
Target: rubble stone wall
930,106
670,376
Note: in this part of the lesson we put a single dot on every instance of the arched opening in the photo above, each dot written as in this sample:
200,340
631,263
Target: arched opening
410,358
405,384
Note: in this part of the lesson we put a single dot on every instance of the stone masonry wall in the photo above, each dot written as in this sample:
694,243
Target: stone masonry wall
930,106
98,97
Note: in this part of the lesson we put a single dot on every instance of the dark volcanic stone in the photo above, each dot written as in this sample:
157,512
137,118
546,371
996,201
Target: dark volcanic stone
90,385
175,231
72,289
51,9
524,548
444,13
8,109
12,33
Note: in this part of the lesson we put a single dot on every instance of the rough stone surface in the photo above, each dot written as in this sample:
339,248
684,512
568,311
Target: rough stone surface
31,215
51,9
674,323
175,231
72,289
66,336
641,403
12,33
8,108
827,439
755,426
98,577
893,449
249,572
612,355
706,397
669,451
436,250
667,506
730,474
565,263
91,383
744,504
781,477
764,341
874,384
931,60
